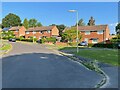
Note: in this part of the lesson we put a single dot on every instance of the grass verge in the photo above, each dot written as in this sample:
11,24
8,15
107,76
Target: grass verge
108,56
5,48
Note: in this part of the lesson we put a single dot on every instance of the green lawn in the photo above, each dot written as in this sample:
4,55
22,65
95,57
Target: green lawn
106,56
109,56
6,46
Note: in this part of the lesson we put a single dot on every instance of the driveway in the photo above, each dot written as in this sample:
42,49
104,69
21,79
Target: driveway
34,66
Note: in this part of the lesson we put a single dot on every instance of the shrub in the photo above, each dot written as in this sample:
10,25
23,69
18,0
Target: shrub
112,45
90,45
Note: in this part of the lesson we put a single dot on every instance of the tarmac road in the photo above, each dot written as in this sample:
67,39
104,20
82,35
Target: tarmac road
34,66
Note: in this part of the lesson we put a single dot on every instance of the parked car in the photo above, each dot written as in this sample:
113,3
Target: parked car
38,41
83,43
12,40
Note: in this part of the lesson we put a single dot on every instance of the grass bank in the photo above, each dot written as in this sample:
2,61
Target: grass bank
5,48
109,56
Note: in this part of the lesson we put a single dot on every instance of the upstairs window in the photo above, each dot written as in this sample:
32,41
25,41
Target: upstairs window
87,32
27,32
100,32
48,31
34,32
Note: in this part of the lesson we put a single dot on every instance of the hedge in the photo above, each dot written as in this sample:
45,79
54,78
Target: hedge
113,45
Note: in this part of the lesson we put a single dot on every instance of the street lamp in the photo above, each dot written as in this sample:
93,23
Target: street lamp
77,26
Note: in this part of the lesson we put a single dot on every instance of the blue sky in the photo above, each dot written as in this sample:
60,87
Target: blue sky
57,12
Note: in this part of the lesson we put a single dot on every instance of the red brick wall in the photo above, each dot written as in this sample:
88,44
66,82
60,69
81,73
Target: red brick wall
38,34
92,35
22,31
16,33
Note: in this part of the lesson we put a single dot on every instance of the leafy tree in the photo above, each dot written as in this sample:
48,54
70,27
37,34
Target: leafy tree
8,34
38,24
118,28
11,20
26,23
60,27
80,23
70,35
53,25
91,21
32,22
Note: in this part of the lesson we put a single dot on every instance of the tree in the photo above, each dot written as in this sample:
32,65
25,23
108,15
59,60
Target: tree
91,21
38,24
61,28
80,23
26,23
11,20
32,22
117,28
70,35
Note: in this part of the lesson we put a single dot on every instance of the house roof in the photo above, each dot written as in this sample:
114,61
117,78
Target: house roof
90,28
15,28
41,28
6,29
96,27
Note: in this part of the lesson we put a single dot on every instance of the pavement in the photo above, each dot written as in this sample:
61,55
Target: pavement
35,66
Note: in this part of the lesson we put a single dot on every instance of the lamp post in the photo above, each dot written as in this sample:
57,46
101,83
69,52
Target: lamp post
76,25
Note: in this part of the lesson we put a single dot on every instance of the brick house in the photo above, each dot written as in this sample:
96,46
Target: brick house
44,31
94,34
18,30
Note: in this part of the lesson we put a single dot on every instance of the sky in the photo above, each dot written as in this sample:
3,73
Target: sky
57,12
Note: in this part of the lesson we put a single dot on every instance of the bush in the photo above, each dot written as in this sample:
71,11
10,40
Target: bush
51,39
112,45
90,45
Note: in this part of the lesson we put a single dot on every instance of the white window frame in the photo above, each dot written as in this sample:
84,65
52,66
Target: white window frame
48,31
87,32
34,32
94,41
100,32
27,32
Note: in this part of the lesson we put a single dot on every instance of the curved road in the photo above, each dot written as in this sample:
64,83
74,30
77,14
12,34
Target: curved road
34,66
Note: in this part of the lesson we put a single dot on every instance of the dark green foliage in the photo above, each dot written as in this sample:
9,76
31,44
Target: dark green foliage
80,23
38,24
117,28
26,23
11,20
91,21
60,27
32,22
112,45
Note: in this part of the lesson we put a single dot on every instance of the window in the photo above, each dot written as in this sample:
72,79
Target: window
87,32
27,32
34,32
16,30
41,32
100,32
48,31
95,41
